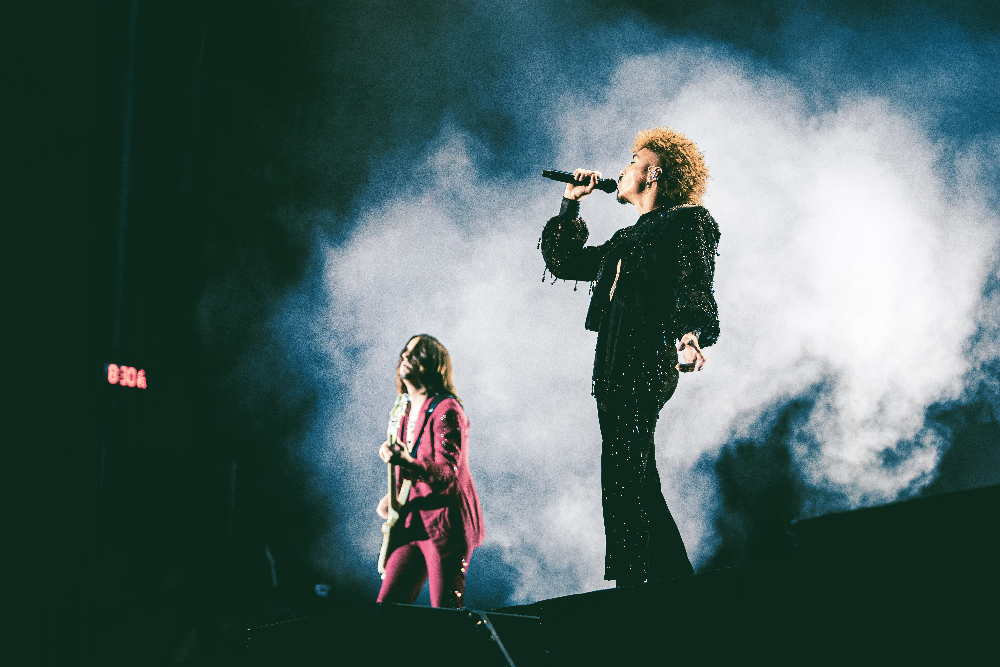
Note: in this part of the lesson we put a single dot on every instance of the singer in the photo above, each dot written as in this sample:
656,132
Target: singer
652,298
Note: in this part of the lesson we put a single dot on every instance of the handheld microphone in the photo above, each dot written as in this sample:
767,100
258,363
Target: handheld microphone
608,185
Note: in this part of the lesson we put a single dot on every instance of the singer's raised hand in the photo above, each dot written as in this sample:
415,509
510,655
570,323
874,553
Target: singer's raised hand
578,192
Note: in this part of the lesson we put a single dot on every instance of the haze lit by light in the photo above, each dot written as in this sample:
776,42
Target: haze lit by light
852,258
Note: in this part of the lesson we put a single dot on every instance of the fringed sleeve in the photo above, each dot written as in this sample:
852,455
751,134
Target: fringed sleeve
562,246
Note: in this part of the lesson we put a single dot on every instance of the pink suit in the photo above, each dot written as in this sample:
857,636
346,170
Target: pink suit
442,520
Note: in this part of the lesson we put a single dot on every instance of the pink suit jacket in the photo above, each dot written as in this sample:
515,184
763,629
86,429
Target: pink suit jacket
443,492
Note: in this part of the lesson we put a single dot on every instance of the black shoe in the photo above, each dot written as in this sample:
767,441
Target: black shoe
629,583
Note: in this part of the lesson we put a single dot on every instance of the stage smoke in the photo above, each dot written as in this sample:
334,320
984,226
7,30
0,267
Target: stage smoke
857,237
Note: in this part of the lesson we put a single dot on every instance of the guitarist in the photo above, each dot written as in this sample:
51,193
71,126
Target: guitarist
441,521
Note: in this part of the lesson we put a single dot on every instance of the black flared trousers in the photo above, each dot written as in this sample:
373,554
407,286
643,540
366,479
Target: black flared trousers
643,542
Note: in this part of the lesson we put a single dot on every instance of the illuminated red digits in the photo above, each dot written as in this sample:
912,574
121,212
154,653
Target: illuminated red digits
131,376
140,380
112,373
123,376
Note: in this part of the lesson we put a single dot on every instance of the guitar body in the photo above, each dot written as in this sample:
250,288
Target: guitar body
396,502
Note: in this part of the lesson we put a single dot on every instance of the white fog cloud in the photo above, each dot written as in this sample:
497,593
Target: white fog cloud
847,255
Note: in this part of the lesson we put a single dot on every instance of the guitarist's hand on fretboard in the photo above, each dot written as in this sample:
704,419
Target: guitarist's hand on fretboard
395,454
382,509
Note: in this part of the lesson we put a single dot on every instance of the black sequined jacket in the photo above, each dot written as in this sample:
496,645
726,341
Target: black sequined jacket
663,291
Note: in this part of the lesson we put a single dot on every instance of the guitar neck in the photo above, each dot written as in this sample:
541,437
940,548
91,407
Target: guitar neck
393,500
395,418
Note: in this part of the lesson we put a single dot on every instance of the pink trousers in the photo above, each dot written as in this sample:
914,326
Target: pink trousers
411,564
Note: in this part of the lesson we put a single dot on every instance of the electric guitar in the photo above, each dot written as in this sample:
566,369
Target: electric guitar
396,502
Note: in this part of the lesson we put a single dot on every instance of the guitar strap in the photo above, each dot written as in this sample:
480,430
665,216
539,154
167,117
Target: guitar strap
427,417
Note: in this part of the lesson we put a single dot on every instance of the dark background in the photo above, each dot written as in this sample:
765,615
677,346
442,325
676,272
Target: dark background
153,525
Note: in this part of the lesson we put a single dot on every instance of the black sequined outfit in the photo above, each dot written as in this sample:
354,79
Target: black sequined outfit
662,291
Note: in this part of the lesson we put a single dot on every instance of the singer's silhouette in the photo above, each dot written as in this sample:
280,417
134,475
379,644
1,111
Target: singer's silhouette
652,297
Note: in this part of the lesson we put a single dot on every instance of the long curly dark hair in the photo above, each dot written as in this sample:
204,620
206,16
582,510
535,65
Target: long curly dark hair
437,374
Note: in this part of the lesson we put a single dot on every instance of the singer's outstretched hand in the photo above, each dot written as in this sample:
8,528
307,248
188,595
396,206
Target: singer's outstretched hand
578,192
694,359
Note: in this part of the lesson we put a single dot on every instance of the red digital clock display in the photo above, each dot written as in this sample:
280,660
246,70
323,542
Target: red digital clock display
126,376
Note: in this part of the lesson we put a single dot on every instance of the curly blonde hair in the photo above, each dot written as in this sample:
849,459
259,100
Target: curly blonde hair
684,170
